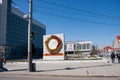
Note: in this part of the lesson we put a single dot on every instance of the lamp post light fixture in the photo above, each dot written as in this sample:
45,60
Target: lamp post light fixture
26,16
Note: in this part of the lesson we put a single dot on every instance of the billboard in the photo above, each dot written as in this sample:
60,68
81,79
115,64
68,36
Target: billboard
70,46
53,47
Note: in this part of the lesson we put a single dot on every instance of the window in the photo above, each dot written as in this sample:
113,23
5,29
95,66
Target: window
88,46
84,46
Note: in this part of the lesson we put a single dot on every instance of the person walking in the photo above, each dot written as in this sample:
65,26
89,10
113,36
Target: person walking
113,57
118,56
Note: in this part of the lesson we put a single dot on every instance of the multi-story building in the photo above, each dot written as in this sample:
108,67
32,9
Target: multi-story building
78,48
14,32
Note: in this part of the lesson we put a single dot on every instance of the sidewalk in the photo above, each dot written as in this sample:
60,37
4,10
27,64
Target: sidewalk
99,68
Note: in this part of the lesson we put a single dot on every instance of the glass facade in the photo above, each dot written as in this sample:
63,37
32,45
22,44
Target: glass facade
84,46
17,35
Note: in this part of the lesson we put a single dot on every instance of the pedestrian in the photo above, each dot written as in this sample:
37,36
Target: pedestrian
118,56
3,58
4,61
113,57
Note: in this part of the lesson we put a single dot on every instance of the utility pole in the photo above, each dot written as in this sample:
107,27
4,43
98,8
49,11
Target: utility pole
29,38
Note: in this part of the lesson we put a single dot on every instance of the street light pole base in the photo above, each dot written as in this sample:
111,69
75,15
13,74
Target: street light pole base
3,69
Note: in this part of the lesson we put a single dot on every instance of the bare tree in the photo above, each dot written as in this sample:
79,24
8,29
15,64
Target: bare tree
94,51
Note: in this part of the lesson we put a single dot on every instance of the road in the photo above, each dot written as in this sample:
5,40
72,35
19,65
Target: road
26,77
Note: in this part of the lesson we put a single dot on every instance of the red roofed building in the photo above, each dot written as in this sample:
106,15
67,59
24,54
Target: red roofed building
108,49
105,49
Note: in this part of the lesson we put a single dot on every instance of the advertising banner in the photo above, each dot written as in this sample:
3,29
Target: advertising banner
70,46
53,47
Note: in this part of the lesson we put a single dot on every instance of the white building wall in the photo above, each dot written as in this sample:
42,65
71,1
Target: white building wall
0,14
3,22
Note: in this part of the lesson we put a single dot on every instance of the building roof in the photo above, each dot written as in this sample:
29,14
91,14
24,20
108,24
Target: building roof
108,47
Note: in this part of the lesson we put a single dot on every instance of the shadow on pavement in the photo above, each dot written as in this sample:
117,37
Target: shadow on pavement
16,70
70,68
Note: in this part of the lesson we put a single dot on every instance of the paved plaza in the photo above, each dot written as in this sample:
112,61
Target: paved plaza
75,68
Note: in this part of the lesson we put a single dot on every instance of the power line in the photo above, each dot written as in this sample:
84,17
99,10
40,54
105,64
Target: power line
76,9
75,13
20,1
19,6
72,18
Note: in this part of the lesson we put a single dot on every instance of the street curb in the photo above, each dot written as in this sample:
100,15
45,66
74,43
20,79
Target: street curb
67,61
50,75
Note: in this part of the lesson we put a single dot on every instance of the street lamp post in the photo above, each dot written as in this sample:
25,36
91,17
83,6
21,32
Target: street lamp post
29,38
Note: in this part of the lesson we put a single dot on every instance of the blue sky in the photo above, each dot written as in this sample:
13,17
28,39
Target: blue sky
77,19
